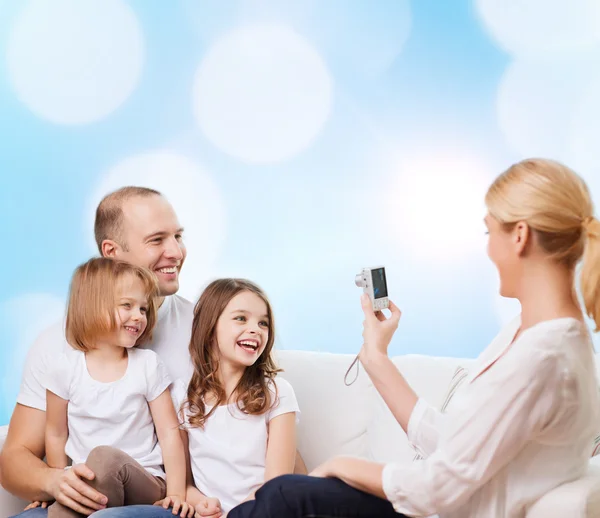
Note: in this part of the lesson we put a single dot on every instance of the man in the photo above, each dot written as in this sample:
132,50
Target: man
137,225
134,224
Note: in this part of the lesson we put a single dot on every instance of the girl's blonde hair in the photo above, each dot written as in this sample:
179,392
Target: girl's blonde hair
252,393
556,205
93,301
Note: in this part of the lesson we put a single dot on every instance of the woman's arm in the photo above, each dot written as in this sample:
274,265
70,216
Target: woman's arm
169,438
512,403
57,430
358,473
391,385
420,421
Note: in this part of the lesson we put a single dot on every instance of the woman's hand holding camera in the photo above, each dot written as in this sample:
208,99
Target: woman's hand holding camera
377,329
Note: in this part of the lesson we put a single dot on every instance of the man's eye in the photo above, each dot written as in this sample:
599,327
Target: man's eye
157,240
179,237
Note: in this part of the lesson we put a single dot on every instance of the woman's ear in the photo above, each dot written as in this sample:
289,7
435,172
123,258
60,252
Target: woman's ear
522,237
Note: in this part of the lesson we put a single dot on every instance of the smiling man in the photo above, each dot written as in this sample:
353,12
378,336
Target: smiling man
137,225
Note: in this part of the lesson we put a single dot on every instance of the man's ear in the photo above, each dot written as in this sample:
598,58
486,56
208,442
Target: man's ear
109,248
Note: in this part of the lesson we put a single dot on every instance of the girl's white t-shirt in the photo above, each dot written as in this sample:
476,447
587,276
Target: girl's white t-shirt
228,455
111,414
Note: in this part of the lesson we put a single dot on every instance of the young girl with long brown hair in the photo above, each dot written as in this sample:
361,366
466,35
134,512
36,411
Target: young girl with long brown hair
239,418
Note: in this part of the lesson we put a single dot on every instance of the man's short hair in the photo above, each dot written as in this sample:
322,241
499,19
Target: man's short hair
109,214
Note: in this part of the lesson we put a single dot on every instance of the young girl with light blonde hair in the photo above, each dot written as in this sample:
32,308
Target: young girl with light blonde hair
108,402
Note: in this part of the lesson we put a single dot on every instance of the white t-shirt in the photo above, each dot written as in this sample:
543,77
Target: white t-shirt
228,455
114,413
171,339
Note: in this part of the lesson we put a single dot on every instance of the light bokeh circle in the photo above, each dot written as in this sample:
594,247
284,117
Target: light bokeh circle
262,94
75,62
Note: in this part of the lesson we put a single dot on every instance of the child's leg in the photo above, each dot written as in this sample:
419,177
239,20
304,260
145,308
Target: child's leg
118,477
123,480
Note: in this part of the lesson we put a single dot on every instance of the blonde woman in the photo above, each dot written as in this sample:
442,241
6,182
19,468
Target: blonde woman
523,422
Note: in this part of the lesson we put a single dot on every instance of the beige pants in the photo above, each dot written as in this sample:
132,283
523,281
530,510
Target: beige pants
120,478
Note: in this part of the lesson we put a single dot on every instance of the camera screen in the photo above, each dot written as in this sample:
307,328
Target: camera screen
379,283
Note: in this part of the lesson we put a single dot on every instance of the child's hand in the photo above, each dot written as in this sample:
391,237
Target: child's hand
35,504
209,508
180,506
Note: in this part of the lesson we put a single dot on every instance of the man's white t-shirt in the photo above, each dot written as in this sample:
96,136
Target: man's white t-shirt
115,413
228,455
171,339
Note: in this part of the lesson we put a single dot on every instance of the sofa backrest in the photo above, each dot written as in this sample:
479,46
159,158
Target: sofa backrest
333,417
336,419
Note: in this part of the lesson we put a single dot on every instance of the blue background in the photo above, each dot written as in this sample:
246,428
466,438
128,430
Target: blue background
298,142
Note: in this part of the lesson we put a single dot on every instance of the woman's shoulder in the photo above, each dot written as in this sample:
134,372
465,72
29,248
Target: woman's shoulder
560,345
553,336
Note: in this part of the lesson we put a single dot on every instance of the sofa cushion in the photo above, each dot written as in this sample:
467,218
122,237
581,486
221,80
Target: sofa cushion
577,499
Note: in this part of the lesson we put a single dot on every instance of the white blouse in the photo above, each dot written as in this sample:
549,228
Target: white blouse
521,424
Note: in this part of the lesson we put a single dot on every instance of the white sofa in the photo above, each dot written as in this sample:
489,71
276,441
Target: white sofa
337,419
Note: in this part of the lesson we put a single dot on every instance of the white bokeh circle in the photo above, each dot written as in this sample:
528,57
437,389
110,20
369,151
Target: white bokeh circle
583,138
436,207
194,196
550,108
74,62
24,317
364,37
541,27
262,94
536,102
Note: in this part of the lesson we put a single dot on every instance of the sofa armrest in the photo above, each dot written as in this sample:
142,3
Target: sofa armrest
577,499
9,504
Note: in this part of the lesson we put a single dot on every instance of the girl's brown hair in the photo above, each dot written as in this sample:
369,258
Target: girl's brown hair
556,205
92,301
252,393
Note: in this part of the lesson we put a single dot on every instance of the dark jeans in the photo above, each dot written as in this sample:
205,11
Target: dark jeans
301,496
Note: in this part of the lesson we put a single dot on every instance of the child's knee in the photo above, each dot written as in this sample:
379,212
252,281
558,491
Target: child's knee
104,460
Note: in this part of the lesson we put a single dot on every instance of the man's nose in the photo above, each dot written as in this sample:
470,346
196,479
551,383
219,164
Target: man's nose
173,249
